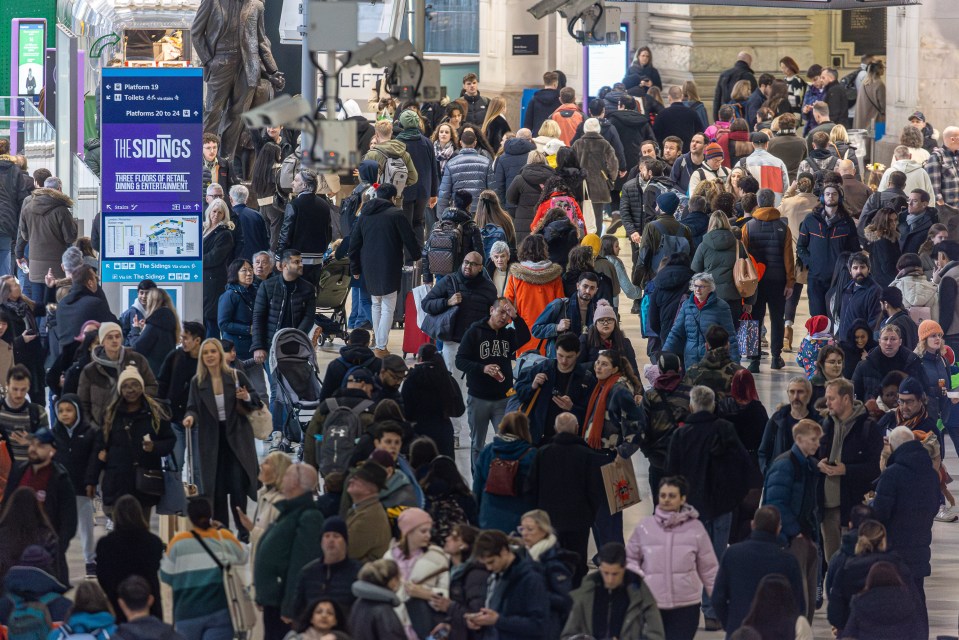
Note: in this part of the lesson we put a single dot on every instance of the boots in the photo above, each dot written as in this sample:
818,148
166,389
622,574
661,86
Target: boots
788,339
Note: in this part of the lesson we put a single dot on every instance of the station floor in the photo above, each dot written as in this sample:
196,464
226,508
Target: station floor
942,588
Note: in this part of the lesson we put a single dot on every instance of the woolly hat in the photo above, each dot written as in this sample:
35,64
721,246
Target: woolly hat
553,146
382,458
336,524
817,324
591,126
668,203
713,150
603,311
373,473
129,373
72,259
37,557
893,296
911,387
927,328
592,241
409,119
106,328
411,519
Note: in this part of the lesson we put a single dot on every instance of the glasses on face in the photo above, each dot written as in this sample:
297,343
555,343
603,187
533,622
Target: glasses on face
908,401
700,286
606,321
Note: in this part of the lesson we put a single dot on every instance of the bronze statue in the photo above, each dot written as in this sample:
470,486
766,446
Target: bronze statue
231,45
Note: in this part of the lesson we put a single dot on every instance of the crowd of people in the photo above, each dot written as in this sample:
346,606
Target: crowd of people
354,519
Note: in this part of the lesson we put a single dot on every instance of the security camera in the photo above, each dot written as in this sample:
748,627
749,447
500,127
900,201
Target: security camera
572,9
395,52
283,111
365,54
545,7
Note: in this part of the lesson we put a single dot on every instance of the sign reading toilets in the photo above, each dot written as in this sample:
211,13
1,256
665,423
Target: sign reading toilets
151,173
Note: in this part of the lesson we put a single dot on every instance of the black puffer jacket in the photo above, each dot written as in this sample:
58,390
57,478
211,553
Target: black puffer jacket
633,129
271,304
352,355
14,188
478,293
508,166
523,195
867,378
77,307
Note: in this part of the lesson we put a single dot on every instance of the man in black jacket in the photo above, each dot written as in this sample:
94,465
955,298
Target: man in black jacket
486,355
834,94
14,189
509,164
517,600
894,313
544,102
423,192
565,482
633,128
52,480
85,301
356,353
287,301
331,576
677,119
256,236
477,103
306,223
728,79
915,221
473,294
689,163
894,197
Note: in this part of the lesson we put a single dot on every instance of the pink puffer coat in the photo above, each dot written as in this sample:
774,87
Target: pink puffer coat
673,553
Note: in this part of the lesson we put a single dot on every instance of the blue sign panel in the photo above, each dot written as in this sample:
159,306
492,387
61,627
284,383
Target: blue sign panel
151,174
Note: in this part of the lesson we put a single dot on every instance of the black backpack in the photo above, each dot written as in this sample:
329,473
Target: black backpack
848,83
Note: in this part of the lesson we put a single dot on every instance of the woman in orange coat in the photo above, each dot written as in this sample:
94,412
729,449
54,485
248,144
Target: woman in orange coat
533,283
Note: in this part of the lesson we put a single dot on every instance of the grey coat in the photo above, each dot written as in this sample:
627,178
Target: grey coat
717,255
239,435
598,159
47,223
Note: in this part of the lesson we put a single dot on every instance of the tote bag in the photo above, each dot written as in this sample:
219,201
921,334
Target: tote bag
748,336
745,274
619,480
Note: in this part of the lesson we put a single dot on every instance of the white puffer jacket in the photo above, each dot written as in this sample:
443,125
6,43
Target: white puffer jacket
918,291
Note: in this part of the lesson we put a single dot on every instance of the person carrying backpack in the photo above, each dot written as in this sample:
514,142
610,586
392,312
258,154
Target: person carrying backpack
392,158
662,237
339,423
33,600
452,237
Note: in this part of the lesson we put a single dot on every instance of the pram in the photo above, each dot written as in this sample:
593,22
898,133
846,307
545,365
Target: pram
332,290
293,362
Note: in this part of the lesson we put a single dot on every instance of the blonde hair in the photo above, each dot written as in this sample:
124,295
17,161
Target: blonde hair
741,90
542,520
806,427
496,108
718,220
872,538
384,130
281,462
157,298
550,129
201,370
218,203
838,134
379,572
535,157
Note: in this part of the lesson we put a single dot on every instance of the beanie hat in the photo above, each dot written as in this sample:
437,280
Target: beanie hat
37,557
129,373
668,203
713,150
72,259
409,119
911,387
908,261
373,473
893,296
382,458
591,126
411,519
603,311
335,524
927,328
553,146
817,324
592,241
106,328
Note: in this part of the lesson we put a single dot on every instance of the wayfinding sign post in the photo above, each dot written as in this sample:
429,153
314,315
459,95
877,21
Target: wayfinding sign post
152,182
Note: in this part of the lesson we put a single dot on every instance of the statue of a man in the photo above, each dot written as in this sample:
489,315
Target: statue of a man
231,44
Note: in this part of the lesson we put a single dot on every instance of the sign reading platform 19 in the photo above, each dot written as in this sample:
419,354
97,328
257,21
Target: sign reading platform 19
152,173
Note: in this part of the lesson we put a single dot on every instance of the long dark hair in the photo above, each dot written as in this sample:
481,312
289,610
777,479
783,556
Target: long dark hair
22,520
617,338
481,141
263,181
443,469
305,619
128,514
625,368
774,610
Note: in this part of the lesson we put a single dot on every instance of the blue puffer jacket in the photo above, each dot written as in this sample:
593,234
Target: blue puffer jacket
100,625
785,491
508,166
503,512
468,170
820,242
688,335
235,317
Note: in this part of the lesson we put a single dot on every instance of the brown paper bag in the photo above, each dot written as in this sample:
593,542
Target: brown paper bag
619,479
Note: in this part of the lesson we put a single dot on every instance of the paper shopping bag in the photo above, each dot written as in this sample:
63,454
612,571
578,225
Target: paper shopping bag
619,479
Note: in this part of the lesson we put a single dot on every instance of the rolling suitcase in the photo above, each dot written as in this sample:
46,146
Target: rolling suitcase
411,278
413,336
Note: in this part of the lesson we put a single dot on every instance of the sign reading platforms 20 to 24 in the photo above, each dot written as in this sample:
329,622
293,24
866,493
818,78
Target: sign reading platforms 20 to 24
151,174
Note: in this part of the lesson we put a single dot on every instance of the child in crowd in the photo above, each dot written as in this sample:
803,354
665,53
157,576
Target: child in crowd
817,337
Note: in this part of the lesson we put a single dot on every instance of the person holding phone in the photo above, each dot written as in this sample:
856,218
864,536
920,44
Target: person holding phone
220,398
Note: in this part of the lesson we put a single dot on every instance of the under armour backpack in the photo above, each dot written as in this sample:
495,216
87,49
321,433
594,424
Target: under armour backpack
341,430
444,247
668,245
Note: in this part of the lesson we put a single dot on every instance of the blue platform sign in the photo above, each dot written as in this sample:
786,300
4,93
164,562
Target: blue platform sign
151,174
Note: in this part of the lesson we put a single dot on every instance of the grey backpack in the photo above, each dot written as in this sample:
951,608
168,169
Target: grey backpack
341,430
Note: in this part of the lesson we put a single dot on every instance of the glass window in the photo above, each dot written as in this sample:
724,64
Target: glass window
452,27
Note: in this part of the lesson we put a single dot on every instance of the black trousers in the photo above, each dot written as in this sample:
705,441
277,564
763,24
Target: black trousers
680,623
793,302
273,626
770,294
817,289
231,484
415,211
578,542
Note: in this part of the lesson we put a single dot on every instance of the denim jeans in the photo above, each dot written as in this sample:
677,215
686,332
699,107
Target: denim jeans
480,413
85,529
382,312
718,530
6,249
213,626
179,451
361,311
449,357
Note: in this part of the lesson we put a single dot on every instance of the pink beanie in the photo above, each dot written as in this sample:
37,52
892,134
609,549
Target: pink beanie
603,310
411,519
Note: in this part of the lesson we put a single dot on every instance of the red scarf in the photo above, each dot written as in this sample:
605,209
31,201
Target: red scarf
700,305
596,412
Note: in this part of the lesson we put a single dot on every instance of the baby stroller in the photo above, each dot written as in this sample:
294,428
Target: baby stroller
293,362
332,290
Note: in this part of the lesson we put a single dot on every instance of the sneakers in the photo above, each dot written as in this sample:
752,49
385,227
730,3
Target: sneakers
753,366
91,570
946,515
778,363
712,624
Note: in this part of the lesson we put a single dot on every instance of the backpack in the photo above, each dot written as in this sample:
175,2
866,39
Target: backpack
848,83
66,633
820,170
567,204
668,245
444,247
341,430
351,205
288,170
737,110
501,478
30,619
492,233
662,188
394,172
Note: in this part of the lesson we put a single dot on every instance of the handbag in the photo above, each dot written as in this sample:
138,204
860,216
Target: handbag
238,599
147,481
418,294
259,418
587,207
501,479
619,480
745,274
440,326
173,500
748,336
802,272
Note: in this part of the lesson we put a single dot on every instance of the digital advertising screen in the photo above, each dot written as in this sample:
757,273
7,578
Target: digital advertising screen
607,63
31,50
